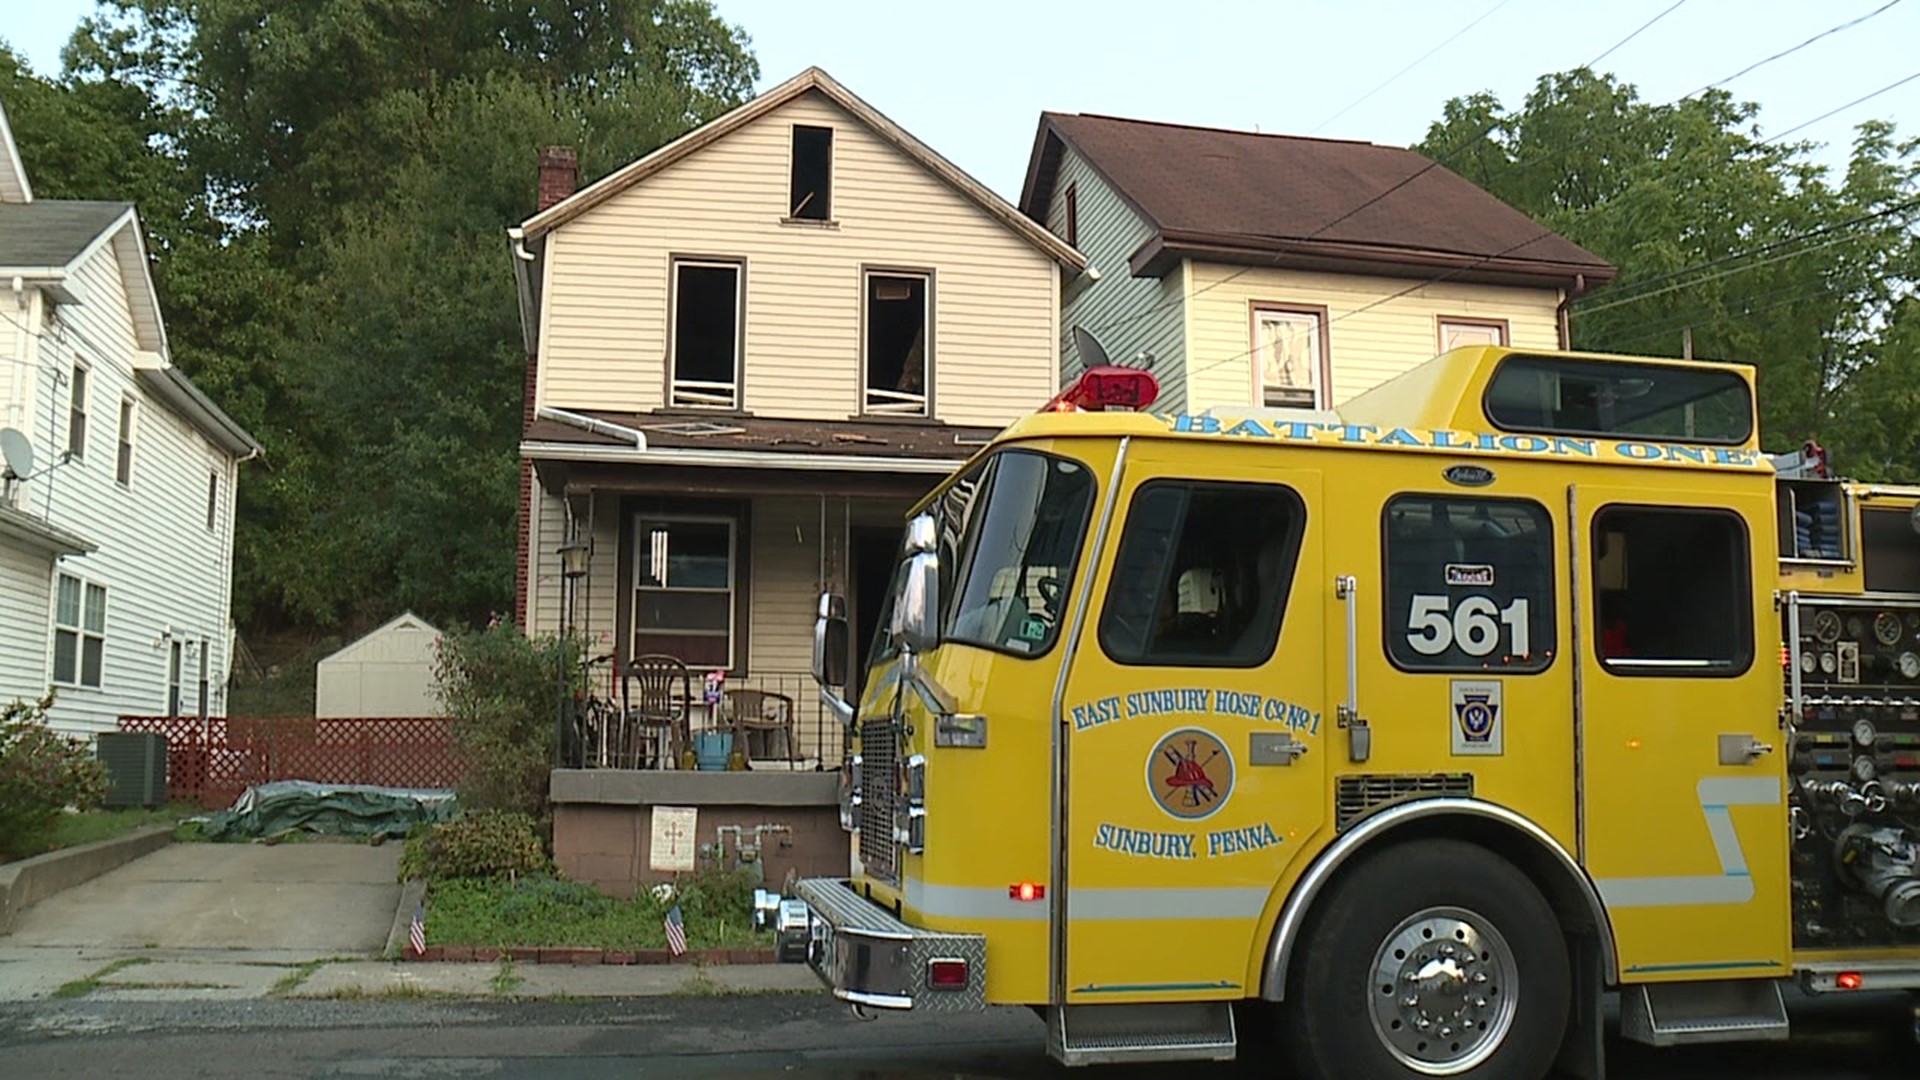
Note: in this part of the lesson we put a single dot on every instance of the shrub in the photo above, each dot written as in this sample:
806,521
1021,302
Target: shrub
503,690
41,774
479,844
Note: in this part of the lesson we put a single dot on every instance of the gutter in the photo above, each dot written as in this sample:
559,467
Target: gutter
178,391
523,287
1563,312
590,424
742,459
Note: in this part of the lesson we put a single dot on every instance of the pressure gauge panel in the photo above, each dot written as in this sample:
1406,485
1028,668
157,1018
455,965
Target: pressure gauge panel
1826,627
1909,665
1886,628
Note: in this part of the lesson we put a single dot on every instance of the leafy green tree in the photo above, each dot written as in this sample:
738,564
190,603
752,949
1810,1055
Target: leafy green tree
1720,234
346,170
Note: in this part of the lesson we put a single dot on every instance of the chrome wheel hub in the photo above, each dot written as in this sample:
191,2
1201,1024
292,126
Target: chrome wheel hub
1443,991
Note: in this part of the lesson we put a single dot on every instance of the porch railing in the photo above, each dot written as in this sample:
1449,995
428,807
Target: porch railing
786,726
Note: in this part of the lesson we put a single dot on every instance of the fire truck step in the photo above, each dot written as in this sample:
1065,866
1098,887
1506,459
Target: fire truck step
1734,1010
1103,1034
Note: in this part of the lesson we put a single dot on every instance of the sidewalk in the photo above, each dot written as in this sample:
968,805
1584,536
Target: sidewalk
108,974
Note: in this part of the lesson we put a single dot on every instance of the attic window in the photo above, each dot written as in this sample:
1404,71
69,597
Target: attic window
1072,236
896,344
811,194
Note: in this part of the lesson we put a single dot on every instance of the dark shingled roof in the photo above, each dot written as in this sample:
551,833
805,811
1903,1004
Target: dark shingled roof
853,438
1243,197
50,232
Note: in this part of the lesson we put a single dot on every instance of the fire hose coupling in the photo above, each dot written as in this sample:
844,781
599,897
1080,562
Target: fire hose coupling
1884,863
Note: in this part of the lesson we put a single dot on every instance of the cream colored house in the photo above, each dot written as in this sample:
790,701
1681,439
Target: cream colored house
749,352
1268,270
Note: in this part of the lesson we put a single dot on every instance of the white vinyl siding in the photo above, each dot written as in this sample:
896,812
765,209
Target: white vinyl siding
606,316
163,569
1366,345
26,606
1129,315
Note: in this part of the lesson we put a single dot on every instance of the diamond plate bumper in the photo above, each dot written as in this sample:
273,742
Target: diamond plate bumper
868,957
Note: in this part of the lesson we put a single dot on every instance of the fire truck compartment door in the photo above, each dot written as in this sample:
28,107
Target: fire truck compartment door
1195,745
1679,659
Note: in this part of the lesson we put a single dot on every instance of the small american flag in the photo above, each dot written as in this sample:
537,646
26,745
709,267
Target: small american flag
417,933
676,932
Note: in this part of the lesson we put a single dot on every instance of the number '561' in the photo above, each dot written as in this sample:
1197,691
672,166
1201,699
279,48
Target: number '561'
1474,626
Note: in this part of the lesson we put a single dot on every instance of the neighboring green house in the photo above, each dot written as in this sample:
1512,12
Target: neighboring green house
1286,272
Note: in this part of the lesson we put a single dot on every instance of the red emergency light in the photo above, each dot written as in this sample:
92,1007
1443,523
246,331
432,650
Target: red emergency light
1101,388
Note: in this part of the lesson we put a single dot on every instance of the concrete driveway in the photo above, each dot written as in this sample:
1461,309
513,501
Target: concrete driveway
312,898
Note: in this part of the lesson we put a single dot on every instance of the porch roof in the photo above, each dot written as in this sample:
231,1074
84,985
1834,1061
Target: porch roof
731,440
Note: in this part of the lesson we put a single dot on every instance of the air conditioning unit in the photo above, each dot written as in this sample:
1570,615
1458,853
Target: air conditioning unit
136,767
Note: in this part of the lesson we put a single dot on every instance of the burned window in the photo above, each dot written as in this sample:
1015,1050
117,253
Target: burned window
1202,575
1469,584
810,196
706,333
1673,592
896,329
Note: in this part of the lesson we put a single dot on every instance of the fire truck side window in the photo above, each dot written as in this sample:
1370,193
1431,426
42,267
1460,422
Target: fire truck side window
1202,574
1469,584
1673,591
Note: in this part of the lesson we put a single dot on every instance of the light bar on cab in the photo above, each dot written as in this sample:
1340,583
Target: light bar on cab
1101,388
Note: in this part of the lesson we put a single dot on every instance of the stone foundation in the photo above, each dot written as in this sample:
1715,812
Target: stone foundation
603,822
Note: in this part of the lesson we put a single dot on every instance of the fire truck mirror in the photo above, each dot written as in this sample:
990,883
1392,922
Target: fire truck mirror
918,606
830,642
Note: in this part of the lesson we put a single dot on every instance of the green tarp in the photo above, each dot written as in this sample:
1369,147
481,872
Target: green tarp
329,809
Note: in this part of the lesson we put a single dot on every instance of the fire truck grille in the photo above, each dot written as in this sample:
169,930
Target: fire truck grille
1359,796
878,795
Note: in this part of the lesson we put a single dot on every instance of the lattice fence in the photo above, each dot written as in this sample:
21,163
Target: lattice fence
210,762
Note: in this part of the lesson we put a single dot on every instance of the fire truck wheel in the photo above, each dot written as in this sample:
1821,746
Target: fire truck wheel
1430,958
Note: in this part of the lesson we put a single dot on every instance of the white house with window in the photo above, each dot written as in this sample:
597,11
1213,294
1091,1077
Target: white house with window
116,502
749,352
1282,272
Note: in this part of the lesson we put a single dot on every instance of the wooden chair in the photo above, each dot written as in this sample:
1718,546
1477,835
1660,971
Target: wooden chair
657,692
753,711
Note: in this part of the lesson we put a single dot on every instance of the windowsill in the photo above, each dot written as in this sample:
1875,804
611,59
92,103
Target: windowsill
811,223
700,410
884,418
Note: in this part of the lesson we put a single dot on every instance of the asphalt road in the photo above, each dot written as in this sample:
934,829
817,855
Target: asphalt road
796,1037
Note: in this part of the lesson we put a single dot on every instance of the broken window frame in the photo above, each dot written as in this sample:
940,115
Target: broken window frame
893,402
689,393
815,206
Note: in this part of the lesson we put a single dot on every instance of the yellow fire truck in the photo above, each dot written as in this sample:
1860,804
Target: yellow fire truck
1397,737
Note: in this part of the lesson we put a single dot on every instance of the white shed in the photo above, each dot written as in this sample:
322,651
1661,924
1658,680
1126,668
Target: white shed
389,672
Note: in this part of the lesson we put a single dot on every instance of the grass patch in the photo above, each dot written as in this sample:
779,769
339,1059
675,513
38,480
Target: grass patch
72,830
292,979
391,992
79,988
550,912
168,986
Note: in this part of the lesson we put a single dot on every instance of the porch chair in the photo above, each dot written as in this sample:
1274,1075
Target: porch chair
764,713
656,692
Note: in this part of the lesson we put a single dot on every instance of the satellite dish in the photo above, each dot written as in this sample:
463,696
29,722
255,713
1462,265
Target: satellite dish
1088,346
16,452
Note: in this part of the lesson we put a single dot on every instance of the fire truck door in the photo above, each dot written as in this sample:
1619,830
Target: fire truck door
1681,762
1194,722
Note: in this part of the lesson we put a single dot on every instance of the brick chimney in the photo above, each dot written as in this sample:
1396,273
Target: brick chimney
559,174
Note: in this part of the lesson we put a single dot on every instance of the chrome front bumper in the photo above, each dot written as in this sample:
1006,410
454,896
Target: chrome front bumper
868,957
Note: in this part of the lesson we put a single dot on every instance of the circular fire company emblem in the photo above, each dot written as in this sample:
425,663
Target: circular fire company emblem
1190,774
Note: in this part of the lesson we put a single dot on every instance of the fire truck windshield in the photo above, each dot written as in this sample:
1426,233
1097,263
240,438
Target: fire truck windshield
1010,535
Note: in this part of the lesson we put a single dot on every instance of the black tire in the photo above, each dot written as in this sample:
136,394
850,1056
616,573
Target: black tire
1330,1024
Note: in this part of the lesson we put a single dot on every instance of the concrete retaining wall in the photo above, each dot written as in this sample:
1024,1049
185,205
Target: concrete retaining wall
29,881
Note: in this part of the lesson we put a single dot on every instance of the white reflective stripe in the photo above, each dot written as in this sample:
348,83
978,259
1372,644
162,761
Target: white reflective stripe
1734,883
1088,905
972,902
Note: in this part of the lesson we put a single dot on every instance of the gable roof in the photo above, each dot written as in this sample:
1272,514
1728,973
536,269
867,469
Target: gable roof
812,80
1235,196
13,172
51,234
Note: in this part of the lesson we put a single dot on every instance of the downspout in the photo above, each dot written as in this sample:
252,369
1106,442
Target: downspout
1563,313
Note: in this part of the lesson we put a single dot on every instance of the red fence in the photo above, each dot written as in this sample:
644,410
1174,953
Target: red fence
210,762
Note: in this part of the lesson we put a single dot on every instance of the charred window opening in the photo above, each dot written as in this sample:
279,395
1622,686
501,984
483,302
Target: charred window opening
706,334
811,194
897,344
